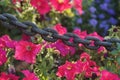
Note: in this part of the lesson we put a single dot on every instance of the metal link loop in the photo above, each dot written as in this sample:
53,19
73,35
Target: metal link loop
50,36
78,40
112,41
3,18
19,24
95,47
35,29
68,42
107,44
57,36
28,31
10,17
9,21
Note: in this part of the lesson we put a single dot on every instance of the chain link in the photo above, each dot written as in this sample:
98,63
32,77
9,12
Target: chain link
50,36
71,39
9,21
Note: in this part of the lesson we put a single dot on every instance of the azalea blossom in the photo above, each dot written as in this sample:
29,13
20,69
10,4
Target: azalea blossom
29,75
26,51
3,57
69,70
5,76
61,5
42,6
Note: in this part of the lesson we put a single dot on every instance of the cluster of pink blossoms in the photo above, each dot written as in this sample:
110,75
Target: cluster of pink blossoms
24,51
44,6
64,49
84,66
27,51
28,76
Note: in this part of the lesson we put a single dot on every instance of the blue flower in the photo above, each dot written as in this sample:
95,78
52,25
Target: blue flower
93,16
103,24
79,20
104,6
105,30
101,16
111,11
112,21
92,9
93,22
107,1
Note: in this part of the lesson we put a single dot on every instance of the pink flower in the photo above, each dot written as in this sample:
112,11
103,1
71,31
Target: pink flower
26,51
5,41
101,49
29,75
4,76
3,57
64,49
95,34
87,66
85,56
41,5
61,5
60,29
69,70
92,68
106,75
81,34
78,5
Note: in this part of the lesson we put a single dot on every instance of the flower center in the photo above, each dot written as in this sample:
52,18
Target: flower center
69,67
83,59
28,48
60,1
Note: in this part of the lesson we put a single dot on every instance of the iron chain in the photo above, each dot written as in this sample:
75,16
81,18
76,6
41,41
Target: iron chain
48,34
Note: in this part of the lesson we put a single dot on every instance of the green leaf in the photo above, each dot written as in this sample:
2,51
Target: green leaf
118,60
118,46
114,52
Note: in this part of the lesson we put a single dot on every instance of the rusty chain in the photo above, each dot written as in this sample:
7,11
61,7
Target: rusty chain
9,21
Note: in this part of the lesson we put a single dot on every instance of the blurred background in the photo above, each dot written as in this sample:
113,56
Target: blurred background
97,15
